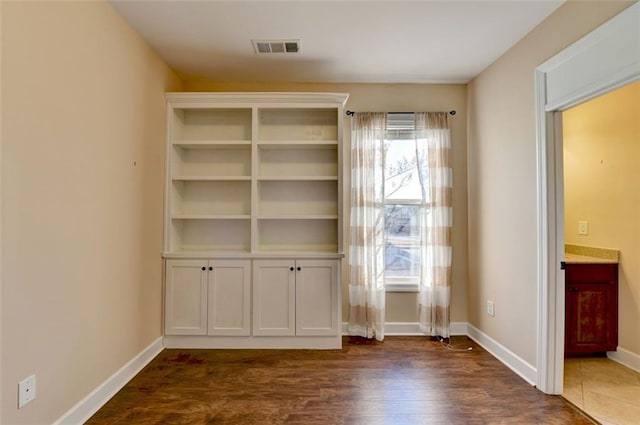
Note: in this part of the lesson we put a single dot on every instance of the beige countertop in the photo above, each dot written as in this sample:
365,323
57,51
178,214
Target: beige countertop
577,254
583,259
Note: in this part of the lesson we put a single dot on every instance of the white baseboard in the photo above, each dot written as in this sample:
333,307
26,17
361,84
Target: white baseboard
625,358
412,328
86,407
526,371
254,342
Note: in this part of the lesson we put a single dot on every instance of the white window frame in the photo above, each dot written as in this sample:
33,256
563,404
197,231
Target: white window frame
399,283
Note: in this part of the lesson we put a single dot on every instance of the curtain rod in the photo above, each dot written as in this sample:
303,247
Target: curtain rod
350,113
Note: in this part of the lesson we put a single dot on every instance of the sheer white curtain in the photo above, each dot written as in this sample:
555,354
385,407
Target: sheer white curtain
367,245
433,143
366,248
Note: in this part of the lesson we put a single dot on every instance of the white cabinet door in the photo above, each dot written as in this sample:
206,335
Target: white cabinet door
186,297
317,297
274,297
229,293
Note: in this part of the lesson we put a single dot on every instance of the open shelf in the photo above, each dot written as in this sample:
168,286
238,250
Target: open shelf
254,174
296,162
298,124
297,198
301,235
193,124
228,235
211,198
214,160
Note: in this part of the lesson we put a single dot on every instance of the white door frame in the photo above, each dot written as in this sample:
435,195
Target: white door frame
605,59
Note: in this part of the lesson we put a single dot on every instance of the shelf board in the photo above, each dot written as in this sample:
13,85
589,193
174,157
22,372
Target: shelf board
198,252
297,178
213,144
299,217
211,178
256,254
210,216
298,144
296,250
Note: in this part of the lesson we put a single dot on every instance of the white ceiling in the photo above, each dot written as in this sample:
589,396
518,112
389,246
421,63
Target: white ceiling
341,41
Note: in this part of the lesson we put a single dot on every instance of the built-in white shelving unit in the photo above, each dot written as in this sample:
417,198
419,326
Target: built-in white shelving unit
252,176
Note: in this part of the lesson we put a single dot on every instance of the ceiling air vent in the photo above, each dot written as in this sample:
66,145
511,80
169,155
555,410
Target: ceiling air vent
276,46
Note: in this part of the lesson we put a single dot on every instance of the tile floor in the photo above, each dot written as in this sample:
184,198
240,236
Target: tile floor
604,389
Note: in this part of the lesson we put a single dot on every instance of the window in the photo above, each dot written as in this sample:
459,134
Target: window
404,198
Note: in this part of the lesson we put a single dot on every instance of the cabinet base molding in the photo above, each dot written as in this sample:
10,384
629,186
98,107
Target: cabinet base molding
254,342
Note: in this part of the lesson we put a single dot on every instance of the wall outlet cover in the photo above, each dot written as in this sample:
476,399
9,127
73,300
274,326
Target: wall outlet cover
26,391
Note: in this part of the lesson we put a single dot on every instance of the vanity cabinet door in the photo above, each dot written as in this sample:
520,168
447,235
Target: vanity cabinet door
591,308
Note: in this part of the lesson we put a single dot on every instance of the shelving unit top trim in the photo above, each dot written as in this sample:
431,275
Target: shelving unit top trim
249,99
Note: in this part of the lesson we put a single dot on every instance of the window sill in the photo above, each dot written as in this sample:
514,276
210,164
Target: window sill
402,287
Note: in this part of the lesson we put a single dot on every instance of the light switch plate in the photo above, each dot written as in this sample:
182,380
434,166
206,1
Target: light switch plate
491,308
583,227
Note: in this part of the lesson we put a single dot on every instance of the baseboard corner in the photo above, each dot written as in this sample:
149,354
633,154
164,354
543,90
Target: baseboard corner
97,398
525,370
626,358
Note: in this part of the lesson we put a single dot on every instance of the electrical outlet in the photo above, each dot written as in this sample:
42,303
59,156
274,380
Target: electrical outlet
26,391
491,308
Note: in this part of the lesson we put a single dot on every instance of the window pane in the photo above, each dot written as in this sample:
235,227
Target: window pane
402,261
402,245
401,174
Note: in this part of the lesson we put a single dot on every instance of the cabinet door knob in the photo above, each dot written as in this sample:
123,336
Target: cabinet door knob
210,268
299,268
573,289
204,268
291,268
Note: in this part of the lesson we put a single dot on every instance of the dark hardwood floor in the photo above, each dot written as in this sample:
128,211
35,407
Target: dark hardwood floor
403,380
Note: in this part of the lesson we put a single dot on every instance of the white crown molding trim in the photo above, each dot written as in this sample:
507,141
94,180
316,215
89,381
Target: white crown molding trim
525,370
89,405
412,329
625,358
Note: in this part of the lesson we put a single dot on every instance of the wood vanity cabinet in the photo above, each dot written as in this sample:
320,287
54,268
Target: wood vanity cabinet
591,308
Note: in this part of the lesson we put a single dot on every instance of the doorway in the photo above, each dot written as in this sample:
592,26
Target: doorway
566,80
601,150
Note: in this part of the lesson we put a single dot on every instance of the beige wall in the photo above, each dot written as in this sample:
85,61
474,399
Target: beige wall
0,209
82,100
401,307
601,141
502,178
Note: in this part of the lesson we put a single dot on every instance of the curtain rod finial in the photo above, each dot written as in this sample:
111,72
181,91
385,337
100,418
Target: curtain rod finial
452,113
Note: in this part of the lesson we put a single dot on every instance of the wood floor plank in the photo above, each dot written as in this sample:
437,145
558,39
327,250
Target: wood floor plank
403,381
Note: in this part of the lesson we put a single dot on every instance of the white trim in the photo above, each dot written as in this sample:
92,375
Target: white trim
562,82
412,329
263,99
459,328
625,358
97,398
331,342
401,287
525,370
